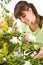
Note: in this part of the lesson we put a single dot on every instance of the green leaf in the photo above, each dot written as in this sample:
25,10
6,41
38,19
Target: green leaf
10,47
6,10
1,45
7,1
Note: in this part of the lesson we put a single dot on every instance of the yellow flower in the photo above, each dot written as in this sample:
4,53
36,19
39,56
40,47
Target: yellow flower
4,49
4,25
12,32
1,31
1,56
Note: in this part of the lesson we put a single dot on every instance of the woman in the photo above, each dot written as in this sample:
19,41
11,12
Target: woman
28,14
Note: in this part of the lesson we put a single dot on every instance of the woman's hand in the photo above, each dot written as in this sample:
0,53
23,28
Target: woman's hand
40,54
29,37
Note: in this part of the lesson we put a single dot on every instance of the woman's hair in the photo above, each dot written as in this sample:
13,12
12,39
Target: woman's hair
24,6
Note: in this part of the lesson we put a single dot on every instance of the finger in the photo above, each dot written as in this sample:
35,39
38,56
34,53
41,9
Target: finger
25,33
39,55
41,48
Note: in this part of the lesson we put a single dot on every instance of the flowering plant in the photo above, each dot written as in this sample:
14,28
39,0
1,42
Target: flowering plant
14,50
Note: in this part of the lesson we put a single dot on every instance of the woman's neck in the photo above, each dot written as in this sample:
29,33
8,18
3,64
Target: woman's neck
34,27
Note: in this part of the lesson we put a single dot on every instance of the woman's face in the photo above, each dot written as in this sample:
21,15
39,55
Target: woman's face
28,17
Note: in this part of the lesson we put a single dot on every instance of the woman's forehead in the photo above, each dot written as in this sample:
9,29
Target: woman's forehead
23,13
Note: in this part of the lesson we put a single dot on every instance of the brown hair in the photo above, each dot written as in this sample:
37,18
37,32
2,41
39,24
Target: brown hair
24,6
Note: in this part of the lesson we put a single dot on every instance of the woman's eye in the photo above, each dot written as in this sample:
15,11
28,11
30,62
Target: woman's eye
23,16
20,18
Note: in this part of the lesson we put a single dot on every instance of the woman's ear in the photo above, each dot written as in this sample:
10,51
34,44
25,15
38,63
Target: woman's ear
30,9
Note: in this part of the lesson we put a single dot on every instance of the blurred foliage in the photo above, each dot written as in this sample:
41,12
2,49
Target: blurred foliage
6,1
5,11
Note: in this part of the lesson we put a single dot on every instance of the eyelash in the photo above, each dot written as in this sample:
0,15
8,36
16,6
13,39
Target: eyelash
23,16
20,18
